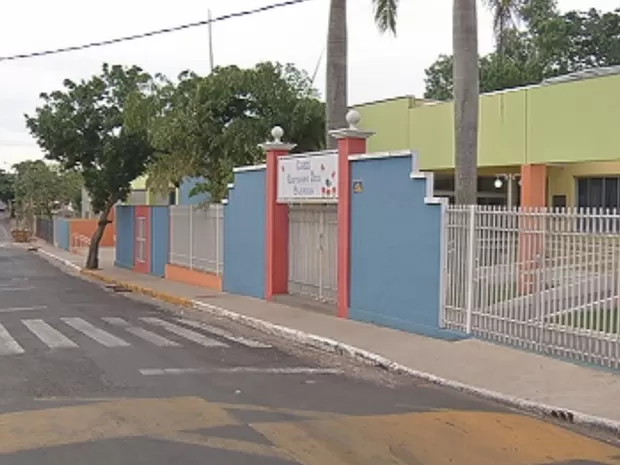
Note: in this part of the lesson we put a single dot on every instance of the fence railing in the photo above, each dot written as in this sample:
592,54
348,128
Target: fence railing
197,237
44,229
542,279
80,244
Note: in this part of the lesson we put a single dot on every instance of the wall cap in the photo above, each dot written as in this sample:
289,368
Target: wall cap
379,155
277,146
243,169
351,133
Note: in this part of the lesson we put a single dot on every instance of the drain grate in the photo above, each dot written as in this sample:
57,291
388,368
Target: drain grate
563,415
116,288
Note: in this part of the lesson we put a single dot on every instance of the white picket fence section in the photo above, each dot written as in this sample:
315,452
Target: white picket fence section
197,237
546,280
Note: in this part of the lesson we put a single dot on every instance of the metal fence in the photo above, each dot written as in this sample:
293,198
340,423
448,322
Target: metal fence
313,242
197,237
80,244
546,280
44,229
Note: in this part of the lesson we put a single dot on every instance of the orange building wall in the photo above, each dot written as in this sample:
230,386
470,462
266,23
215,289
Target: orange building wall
86,227
195,278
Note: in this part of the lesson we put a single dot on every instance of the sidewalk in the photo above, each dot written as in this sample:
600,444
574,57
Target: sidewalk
530,381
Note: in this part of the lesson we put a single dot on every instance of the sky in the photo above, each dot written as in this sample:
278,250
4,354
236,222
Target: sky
380,66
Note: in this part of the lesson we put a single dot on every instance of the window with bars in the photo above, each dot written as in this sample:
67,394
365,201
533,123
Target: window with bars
141,239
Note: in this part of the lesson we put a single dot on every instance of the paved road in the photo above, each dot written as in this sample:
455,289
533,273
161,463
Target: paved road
92,376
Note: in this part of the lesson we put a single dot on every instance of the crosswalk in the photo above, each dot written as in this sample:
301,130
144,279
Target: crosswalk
116,332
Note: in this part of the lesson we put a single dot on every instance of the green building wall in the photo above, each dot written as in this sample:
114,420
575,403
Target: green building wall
554,123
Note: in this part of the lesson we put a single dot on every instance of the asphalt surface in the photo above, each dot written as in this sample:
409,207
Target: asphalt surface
91,376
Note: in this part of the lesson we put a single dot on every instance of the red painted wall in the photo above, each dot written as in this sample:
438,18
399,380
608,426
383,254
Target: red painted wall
144,265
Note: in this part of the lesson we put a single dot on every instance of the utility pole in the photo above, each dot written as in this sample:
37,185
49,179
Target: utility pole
210,25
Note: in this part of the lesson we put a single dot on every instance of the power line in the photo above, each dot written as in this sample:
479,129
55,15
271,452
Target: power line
157,32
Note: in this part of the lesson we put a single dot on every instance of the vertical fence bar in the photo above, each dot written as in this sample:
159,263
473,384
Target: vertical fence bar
443,256
191,237
470,285
321,248
217,240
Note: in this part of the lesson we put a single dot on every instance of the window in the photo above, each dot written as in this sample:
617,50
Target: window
141,240
600,192
488,193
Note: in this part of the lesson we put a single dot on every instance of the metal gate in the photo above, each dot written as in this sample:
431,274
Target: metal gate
313,245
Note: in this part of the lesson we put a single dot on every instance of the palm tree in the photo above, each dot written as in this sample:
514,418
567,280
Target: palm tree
466,104
507,14
336,93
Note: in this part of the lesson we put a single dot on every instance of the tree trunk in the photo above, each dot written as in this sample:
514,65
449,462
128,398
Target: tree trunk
92,261
466,93
336,93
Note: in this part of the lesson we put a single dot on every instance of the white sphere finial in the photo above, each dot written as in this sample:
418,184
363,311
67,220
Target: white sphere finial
353,118
277,133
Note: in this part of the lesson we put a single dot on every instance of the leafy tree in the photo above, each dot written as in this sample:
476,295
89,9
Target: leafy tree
98,127
518,66
40,187
35,188
70,183
7,186
336,87
211,124
551,45
578,40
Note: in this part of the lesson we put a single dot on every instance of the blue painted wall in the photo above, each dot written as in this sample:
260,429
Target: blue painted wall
184,192
63,237
244,235
160,239
395,249
125,236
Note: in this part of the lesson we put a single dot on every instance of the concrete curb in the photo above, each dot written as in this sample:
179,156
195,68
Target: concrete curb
323,343
61,260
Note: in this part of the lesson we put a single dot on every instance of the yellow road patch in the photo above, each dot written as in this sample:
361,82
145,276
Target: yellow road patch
429,438
435,438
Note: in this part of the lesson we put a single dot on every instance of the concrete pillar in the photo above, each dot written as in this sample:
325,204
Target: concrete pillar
534,186
531,225
351,141
276,247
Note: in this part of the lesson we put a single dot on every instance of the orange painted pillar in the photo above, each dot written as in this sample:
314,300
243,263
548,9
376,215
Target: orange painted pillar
531,224
276,234
534,186
351,141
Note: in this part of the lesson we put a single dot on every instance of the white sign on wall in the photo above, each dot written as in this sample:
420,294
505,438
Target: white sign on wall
308,178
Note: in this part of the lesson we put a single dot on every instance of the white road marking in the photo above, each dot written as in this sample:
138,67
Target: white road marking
225,334
8,345
102,337
51,337
15,289
184,332
142,333
22,309
255,370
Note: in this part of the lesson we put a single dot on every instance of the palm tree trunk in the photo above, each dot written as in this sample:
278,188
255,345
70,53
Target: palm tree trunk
466,94
336,84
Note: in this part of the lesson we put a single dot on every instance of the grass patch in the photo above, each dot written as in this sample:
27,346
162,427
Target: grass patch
604,320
